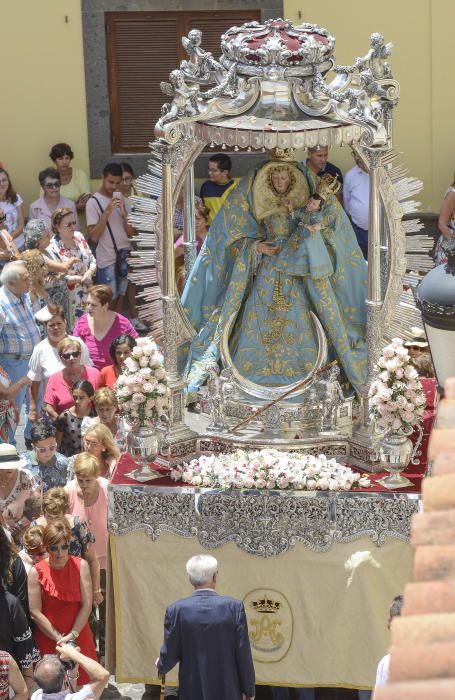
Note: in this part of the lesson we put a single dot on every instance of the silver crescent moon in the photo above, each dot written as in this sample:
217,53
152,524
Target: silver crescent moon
267,392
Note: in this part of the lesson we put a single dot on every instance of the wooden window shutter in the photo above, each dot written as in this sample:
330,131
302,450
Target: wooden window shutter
142,49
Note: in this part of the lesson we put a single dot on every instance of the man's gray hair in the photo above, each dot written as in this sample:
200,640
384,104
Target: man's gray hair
11,272
49,674
201,568
34,232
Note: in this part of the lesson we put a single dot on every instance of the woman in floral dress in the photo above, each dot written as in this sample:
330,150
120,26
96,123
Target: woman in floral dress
68,243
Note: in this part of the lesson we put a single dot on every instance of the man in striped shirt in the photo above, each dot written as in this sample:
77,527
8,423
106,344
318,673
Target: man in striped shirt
18,330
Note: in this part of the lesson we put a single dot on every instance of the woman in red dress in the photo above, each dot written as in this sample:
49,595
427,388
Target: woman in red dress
60,596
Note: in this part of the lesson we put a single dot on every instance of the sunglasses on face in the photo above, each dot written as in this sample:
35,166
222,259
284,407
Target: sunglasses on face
43,450
71,355
52,185
58,547
70,224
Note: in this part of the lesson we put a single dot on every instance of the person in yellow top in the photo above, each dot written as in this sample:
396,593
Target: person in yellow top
215,190
75,184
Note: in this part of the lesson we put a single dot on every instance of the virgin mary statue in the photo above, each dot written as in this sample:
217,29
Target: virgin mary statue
269,259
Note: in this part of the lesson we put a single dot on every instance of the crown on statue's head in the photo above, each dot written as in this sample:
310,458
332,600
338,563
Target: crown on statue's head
287,154
328,184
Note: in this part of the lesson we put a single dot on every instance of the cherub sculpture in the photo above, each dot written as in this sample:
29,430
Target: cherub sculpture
184,97
376,57
201,63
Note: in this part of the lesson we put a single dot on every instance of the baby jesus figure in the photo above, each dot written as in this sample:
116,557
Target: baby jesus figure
305,252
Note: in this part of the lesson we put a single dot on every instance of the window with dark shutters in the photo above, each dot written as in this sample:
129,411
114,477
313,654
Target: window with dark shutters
142,49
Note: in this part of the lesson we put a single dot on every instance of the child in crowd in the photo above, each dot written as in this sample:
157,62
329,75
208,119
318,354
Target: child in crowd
69,423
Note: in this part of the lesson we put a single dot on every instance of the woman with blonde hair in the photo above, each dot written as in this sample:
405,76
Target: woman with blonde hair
87,494
99,442
81,544
106,407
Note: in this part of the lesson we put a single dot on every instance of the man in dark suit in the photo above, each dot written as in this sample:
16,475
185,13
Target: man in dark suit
208,635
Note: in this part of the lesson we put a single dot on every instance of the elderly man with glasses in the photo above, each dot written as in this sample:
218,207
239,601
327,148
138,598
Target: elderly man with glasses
18,330
51,199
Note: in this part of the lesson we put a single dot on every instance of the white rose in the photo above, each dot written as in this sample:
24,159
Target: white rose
136,351
160,373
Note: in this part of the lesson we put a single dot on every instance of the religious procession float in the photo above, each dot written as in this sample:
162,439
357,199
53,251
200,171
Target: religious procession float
291,349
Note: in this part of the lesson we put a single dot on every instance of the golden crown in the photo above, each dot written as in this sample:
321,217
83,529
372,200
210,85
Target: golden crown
266,605
282,154
328,185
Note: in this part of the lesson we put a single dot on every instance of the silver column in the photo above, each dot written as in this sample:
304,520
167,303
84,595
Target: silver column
189,227
179,438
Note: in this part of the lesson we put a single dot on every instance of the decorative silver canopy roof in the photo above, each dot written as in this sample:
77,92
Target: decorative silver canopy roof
271,81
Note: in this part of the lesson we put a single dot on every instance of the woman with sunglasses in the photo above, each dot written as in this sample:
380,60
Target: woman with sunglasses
69,423
44,461
45,360
58,396
67,244
33,550
82,542
60,595
51,199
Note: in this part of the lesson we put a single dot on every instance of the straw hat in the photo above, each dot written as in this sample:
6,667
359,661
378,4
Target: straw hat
419,339
9,459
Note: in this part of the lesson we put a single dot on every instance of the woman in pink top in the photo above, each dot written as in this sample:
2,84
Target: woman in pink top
58,395
100,326
87,494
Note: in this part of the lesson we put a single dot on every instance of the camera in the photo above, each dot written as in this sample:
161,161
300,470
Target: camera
68,663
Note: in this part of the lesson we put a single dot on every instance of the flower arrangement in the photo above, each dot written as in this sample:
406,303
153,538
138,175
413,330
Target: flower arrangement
141,388
396,398
269,469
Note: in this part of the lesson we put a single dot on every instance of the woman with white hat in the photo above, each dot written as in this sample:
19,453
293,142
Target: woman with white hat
16,485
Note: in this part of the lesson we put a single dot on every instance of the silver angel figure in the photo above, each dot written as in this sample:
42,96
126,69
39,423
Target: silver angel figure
201,64
184,97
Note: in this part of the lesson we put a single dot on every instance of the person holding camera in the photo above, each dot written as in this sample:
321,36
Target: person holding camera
60,595
55,675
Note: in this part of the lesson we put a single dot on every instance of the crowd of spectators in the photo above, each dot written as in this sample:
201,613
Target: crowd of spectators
63,340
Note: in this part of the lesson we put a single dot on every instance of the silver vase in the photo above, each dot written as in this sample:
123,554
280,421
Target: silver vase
142,444
395,451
